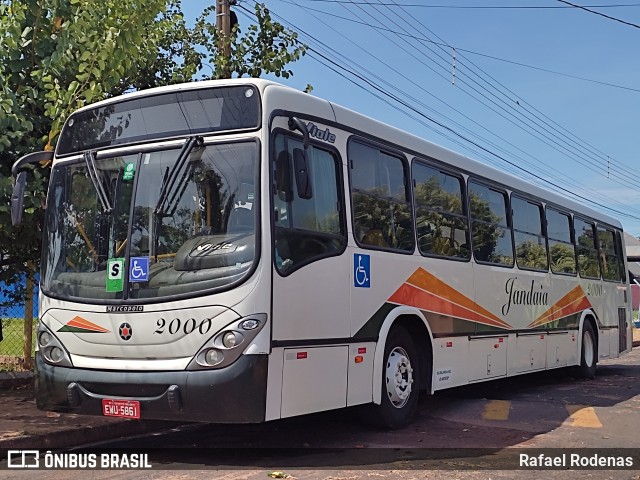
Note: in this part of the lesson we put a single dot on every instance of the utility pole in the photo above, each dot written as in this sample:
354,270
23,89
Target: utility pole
223,25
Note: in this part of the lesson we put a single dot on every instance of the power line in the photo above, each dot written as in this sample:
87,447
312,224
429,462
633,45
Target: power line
545,181
576,77
336,67
591,151
600,13
413,99
540,123
536,127
458,49
416,101
480,7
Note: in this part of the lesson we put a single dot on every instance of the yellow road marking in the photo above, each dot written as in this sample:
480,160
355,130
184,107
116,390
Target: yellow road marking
582,416
496,410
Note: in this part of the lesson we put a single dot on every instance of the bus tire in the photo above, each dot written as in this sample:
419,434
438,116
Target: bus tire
400,383
588,353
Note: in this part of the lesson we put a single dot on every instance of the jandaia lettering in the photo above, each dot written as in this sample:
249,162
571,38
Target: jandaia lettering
522,296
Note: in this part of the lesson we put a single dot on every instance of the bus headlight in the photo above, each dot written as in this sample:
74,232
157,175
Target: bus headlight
249,324
231,339
211,357
226,346
56,354
44,339
51,349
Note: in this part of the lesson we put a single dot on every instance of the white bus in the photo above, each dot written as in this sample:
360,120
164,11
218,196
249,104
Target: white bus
239,251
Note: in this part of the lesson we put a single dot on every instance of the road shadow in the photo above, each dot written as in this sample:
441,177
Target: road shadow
338,439
614,384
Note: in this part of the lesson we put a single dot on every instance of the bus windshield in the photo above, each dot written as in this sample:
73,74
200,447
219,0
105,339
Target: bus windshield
172,222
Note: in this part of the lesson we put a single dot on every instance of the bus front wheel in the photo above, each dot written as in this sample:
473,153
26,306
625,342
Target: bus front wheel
400,382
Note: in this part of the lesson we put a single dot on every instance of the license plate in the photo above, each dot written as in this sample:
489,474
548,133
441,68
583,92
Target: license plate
120,408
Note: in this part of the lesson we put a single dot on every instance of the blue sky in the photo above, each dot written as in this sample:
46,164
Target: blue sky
579,135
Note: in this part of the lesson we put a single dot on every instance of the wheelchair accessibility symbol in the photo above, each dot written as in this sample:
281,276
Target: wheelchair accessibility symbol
361,270
139,269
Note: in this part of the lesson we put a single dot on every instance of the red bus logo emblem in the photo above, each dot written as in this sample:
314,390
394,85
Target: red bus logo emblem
125,331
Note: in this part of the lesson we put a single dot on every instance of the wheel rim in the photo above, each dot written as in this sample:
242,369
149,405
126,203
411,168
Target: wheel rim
587,348
399,377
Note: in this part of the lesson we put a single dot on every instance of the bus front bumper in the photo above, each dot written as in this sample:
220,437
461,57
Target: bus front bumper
234,394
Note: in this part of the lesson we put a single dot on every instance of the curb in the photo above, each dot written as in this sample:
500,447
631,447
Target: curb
12,380
75,437
97,429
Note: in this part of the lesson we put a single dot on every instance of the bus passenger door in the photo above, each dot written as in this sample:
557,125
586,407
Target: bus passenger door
310,302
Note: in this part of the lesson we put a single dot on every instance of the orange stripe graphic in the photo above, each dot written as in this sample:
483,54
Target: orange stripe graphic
410,295
79,322
573,302
426,281
427,292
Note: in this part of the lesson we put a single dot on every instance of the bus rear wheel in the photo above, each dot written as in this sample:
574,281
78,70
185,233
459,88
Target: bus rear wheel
588,353
400,383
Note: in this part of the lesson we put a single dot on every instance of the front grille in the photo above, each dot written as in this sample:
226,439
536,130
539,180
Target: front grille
124,390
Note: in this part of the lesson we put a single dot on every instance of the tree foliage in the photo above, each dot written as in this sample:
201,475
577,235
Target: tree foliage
59,55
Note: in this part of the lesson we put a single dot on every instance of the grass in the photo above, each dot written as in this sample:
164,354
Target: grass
13,332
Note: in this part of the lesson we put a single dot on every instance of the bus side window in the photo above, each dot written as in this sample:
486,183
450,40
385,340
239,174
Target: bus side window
531,245
490,231
379,199
562,251
441,216
609,261
307,227
587,253
621,256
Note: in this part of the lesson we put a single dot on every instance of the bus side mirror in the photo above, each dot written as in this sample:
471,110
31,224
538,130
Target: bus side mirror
17,198
283,176
303,180
19,172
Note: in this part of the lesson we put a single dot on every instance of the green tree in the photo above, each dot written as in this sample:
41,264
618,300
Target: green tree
56,56
59,55
266,47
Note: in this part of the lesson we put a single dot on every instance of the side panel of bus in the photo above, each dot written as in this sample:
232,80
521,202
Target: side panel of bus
485,321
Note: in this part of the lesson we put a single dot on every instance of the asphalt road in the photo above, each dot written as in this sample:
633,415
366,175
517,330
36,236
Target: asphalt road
456,434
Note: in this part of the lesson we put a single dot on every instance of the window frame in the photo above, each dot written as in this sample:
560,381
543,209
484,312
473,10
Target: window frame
619,242
543,230
601,253
505,193
594,229
572,239
408,192
464,200
342,211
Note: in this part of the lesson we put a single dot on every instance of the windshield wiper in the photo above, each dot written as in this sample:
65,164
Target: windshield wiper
168,182
90,161
169,179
